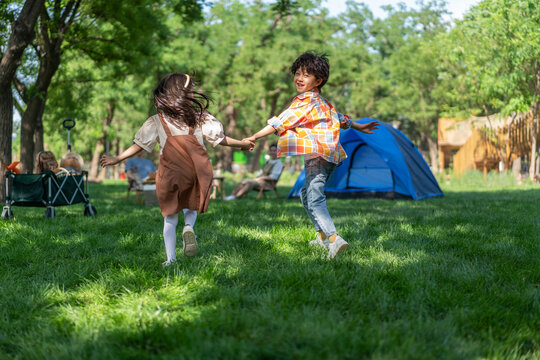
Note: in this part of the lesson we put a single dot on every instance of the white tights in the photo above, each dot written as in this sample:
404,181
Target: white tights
169,230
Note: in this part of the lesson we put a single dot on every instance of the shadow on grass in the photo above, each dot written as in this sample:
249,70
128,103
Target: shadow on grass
444,278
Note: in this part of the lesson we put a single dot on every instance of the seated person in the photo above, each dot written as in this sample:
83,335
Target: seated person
72,163
270,171
45,160
139,169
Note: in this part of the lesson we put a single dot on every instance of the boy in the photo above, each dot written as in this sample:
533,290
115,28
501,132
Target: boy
310,126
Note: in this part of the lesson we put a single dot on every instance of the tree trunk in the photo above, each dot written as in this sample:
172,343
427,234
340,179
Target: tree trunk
6,129
534,145
103,171
28,125
255,162
50,52
49,43
38,133
22,34
94,163
507,150
117,170
255,165
433,151
95,174
493,138
230,116
425,142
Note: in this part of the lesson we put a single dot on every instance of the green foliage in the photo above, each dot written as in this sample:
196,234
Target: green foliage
409,68
8,13
105,71
496,48
240,53
285,7
453,277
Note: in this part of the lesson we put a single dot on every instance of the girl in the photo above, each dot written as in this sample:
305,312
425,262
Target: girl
45,160
184,175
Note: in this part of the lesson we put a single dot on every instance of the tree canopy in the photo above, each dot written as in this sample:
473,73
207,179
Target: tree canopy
409,68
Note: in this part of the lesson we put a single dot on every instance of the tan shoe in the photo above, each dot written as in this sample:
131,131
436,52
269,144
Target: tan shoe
190,241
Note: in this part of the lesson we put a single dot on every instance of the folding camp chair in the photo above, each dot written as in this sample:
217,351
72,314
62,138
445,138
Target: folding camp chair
132,185
269,185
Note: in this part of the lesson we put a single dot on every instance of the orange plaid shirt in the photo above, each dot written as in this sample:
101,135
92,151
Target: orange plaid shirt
311,126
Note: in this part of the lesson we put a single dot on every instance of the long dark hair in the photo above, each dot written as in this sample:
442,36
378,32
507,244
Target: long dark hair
176,98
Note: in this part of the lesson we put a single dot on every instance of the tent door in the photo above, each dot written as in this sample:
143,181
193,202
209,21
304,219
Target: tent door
369,171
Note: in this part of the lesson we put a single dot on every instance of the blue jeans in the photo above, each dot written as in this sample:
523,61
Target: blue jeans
317,172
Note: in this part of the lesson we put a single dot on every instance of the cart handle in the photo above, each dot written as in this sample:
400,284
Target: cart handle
68,123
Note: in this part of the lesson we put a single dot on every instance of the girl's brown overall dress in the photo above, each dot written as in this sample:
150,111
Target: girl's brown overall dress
184,176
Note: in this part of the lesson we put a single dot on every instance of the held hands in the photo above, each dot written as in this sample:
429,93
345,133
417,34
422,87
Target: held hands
108,160
248,144
251,141
265,131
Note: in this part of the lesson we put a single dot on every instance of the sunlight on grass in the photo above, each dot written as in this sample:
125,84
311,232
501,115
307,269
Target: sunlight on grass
391,259
454,277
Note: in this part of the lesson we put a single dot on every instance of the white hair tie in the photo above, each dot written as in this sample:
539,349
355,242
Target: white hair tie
187,81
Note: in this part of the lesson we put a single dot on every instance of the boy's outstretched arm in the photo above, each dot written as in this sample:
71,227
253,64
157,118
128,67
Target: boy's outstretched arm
265,131
107,160
366,128
245,144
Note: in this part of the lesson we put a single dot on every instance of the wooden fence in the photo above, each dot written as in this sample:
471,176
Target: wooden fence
485,147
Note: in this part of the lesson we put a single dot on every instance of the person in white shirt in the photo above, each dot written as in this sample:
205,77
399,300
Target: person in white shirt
184,176
270,171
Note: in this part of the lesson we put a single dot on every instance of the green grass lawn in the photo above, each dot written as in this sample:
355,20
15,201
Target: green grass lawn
456,277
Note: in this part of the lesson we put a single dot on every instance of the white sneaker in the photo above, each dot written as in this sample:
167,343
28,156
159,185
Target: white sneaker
189,241
319,243
169,263
337,247
230,197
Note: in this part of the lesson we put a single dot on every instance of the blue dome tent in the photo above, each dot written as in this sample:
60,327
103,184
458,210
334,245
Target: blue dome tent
383,164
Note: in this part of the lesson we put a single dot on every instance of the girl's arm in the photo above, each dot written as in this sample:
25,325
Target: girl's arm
245,144
113,160
365,128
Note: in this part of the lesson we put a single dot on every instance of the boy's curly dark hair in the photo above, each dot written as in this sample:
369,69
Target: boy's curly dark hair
316,65
175,97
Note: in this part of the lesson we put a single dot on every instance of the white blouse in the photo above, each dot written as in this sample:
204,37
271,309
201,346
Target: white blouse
148,135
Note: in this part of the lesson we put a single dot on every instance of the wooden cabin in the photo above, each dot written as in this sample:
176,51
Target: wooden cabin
482,142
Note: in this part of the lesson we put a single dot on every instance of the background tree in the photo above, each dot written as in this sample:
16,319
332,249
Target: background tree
407,68
20,36
104,31
406,62
494,55
242,54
